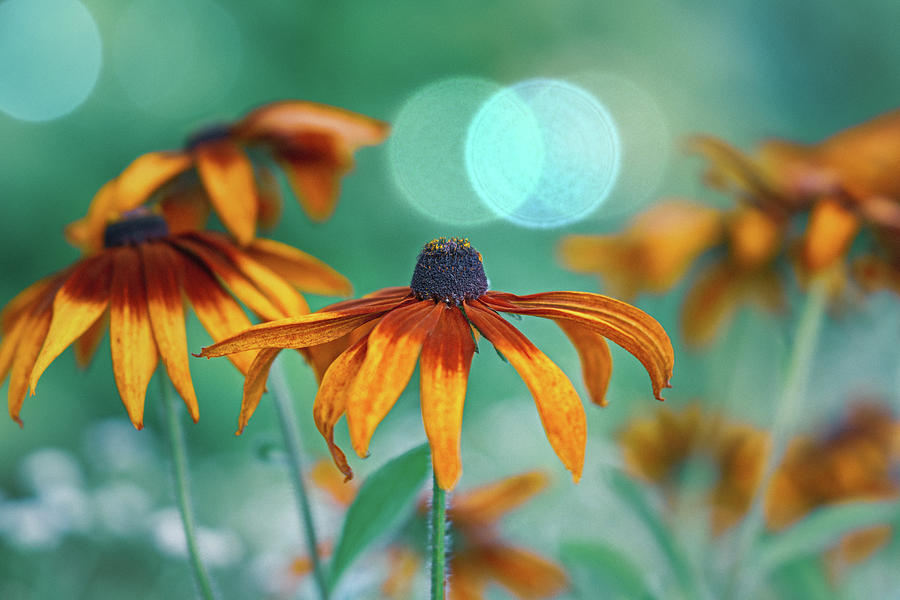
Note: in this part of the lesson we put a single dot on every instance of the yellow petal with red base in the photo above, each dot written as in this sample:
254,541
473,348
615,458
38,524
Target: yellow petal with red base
557,402
9,344
134,354
331,399
77,305
166,309
829,233
485,505
444,372
299,268
35,326
227,175
86,345
596,361
393,348
255,384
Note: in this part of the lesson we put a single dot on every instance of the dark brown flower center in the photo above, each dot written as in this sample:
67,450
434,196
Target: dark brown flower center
135,227
449,270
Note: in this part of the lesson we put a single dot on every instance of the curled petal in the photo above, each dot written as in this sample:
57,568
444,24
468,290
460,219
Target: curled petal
330,480
255,384
299,268
829,233
227,175
134,354
303,331
393,348
77,305
331,399
624,324
557,402
444,372
487,504
596,361
166,309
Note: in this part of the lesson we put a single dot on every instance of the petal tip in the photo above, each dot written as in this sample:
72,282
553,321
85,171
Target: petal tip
18,421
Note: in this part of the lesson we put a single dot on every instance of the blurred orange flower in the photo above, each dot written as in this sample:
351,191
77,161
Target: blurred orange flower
136,285
439,316
855,461
479,556
657,449
313,144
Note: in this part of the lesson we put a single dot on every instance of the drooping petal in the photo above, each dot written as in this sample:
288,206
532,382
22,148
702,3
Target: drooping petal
227,175
487,504
9,344
624,324
166,310
305,330
242,287
596,361
321,356
77,305
301,269
269,197
557,402
393,349
35,326
331,399
255,384
709,304
315,184
444,372
523,572
220,315
185,209
86,345
134,354
829,233
290,302
22,303
330,480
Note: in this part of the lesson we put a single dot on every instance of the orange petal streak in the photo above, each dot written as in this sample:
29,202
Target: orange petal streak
255,384
227,175
487,504
301,269
596,361
77,305
166,309
134,354
557,402
444,372
522,572
394,347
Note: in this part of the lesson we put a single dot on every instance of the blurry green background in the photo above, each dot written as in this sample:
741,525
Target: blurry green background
85,504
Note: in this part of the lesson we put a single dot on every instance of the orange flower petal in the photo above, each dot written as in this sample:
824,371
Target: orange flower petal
166,310
624,324
255,384
269,197
86,345
331,399
403,563
730,170
557,402
80,301
220,315
596,361
9,344
185,209
22,302
829,233
134,354
227,175
709,304
315,184
467,578
321,356
444,372
754,237
305,330
487,504
522,572
330,480
229,273
268,281
301,269
35,326
393,349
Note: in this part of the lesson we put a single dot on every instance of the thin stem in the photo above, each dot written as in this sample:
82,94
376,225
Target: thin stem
182,486
438,540
793,393
291,433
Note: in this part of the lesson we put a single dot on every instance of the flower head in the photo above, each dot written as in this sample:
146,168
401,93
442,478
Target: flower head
313,144
136,285
377,340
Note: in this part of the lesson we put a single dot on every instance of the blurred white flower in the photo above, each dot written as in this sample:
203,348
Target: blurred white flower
121,507
113,445
218,548
49,468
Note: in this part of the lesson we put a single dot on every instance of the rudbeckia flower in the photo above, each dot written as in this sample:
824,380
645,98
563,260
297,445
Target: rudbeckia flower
658,448
312,143
741,248
136,286
480,556
446,306
856,460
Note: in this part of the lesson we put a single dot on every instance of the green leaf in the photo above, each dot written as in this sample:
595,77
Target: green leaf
381,505
821,530
600,570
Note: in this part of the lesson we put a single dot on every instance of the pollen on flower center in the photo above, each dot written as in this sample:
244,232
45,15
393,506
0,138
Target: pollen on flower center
208,134
449,270
135,227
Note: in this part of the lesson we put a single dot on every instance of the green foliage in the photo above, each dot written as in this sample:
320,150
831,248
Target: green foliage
595,567
383,501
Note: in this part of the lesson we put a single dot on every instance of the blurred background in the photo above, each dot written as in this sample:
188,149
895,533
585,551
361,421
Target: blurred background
86,508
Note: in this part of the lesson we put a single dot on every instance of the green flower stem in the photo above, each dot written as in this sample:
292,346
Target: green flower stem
790,401
291,433
182,485
438,540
